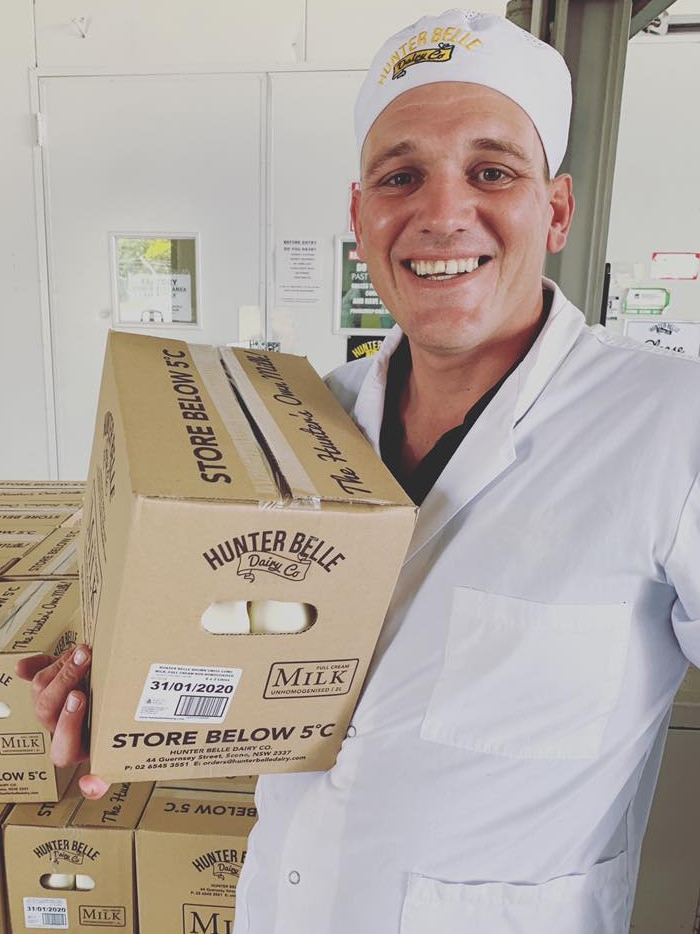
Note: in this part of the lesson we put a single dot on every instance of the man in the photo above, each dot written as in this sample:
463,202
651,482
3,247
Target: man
498,773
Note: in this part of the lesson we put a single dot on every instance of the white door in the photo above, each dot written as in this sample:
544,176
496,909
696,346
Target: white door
171,156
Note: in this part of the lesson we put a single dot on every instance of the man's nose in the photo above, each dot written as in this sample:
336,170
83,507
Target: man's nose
447,204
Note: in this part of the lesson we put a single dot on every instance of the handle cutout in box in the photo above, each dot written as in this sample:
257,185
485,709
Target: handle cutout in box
66,882
258,617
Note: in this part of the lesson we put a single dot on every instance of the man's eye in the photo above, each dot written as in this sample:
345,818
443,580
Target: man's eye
492,174
400,179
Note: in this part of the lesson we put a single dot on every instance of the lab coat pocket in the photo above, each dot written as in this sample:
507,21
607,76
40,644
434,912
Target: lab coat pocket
528,680
591,903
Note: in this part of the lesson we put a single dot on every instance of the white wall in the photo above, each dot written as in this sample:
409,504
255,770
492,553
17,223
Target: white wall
24,438
285,40
83,37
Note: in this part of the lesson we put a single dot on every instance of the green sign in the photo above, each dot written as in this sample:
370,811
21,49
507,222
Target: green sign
360,308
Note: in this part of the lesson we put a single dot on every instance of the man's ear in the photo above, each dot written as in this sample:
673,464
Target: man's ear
562,203
355,217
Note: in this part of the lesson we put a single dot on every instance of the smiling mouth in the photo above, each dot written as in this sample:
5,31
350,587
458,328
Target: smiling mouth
446,268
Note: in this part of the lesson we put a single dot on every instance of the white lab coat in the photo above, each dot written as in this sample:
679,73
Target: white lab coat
499,771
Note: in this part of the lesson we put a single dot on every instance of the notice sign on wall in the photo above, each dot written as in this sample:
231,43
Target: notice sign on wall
298,271
358,307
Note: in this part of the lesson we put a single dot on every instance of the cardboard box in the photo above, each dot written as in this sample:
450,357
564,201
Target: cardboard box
35,616
50,517
14,505
668,887
70,489
70,865
55,555
33,515
15,543
241,784
28,517
192,516
204,830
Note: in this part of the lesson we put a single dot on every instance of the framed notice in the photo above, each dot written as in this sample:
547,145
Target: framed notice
358,308
154,279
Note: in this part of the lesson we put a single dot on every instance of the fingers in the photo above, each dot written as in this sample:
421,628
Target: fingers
91,786
53,680
61,706
26,668
67,745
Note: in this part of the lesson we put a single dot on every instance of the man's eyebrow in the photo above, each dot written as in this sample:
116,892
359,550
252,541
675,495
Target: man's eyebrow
505,146
404,148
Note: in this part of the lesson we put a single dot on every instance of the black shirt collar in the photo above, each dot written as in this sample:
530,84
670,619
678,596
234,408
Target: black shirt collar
421,480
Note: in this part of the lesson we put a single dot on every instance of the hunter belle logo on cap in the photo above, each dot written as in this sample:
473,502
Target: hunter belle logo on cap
442,53
435,45
480,48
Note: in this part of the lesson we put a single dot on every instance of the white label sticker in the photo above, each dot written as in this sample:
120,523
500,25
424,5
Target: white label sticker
48,913
187,694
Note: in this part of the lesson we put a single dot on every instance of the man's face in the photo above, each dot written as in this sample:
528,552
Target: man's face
455,216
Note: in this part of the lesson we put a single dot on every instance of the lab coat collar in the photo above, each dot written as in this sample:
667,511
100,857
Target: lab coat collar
488,449
562,328
559,334
369,404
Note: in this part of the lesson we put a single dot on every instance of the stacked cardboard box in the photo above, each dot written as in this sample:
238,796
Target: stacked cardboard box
54,556
70,864
36,616
31,514
204,828
16,539
239,542
39,613
78,864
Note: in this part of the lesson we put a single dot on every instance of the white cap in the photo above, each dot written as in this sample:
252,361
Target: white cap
481,48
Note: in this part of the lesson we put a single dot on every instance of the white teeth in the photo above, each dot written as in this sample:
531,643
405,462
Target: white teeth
440,267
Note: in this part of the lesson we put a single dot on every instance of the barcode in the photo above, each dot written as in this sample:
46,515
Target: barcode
193,706
53,921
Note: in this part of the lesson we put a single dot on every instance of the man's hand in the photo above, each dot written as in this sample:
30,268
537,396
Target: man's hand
58,690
